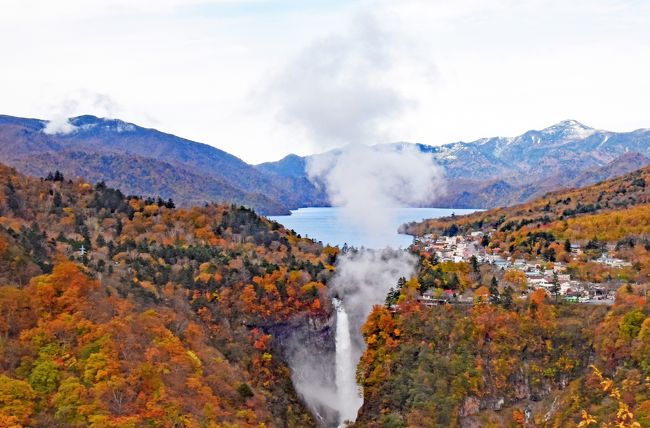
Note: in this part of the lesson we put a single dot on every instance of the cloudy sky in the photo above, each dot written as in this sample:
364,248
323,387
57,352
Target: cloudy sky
264,78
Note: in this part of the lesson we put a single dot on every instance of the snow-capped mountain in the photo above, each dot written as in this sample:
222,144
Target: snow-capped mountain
566,148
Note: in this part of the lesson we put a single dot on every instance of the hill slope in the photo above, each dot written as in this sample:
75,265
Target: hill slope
512,351
119,311
628,191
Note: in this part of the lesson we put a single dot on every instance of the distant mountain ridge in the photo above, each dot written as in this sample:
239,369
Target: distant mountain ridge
147,161
501,171
485,173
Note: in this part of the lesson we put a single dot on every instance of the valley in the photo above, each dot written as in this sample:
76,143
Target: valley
242,308
324,214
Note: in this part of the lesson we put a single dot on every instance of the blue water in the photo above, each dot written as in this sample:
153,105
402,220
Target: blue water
324,224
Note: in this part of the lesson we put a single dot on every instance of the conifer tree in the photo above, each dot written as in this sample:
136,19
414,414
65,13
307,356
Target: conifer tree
494,297
555,289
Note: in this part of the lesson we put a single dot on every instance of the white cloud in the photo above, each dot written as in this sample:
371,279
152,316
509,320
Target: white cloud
71,9
58,123
77,103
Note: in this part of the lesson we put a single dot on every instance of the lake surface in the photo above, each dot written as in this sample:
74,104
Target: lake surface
325,224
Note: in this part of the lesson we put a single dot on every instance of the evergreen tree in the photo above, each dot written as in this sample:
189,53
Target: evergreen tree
435,259
567,246
13,201
495,297
393,293
506,297
57,201
401,282
549,254
451,230
555,289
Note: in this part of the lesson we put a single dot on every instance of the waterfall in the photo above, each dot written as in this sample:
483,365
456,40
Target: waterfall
348,396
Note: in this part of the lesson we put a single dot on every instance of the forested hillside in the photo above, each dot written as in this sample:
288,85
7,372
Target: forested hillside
121,312
515,353
531,362
608,210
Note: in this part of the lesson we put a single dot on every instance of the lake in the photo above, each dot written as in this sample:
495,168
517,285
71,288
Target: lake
323,224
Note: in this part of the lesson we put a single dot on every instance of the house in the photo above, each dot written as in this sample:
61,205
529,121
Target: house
436,297
576,249
606,259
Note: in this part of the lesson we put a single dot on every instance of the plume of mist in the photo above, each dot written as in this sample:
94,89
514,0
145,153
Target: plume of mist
369,183
310,354
340,90
362,279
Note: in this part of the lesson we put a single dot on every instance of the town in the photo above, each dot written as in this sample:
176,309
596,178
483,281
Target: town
553,277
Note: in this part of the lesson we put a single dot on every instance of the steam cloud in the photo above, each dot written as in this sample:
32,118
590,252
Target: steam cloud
59,123
363,279
367,184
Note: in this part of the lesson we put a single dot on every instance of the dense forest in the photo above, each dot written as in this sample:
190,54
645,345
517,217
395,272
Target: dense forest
119,311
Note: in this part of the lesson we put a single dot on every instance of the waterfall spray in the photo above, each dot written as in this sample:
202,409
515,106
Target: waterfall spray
349,399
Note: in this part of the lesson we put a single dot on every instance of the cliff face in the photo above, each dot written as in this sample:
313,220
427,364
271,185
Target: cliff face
308,346
447,366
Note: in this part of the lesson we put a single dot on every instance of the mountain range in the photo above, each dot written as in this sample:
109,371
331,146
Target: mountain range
502,171
484,173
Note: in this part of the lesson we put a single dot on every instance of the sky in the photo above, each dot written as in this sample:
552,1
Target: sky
264,78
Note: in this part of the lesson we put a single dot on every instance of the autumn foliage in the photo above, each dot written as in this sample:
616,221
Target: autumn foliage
161,319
